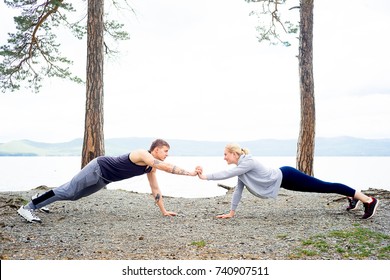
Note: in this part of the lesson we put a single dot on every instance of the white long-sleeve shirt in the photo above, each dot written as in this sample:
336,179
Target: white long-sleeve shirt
259,180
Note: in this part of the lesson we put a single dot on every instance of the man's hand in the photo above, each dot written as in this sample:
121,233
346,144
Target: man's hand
169,214
199,169
193,173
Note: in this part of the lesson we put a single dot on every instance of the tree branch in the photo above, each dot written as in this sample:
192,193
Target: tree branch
41,20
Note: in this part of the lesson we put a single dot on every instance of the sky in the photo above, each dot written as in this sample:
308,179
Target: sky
195,70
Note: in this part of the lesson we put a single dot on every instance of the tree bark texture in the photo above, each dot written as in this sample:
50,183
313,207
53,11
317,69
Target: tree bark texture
93,145
306,141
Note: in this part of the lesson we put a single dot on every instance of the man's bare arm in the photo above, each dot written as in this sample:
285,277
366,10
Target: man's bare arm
171,168
158,199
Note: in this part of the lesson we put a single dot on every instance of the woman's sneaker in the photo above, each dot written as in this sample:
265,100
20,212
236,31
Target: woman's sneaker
43,209
370,208
353,203
29,215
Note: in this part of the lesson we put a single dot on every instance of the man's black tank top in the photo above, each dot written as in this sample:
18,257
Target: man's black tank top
119,168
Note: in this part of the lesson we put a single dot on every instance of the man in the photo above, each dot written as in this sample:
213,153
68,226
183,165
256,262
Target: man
104,170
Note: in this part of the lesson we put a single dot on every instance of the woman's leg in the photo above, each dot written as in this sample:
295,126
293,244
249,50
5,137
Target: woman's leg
296,180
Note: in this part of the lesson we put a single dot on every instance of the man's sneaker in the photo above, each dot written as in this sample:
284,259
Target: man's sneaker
28,214
43,209
353,203
370,208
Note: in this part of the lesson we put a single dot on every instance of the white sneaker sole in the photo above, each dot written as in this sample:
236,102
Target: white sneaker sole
30,221
44,210
373,212
356,206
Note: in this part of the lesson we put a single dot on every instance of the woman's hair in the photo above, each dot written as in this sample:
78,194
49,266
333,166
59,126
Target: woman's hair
235,148
158,143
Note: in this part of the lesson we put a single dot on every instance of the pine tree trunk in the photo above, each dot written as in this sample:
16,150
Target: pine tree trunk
306,141
93,145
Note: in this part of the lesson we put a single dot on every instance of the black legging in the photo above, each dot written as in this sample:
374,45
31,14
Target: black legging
296,180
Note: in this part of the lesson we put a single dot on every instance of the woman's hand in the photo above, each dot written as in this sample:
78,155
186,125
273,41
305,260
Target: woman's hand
227,216
199,169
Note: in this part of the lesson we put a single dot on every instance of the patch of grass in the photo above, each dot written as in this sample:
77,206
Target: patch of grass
199,244
356,243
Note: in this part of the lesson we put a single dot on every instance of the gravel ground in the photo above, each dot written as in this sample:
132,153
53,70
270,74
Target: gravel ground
116,224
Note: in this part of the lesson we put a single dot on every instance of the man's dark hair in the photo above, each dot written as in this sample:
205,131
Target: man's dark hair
158,143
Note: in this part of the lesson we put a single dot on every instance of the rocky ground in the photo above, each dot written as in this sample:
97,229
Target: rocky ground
116,224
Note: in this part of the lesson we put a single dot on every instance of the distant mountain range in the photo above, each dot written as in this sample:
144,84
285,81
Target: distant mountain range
338,146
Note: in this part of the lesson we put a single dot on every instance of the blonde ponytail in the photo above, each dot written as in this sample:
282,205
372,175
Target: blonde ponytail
245,151
235,148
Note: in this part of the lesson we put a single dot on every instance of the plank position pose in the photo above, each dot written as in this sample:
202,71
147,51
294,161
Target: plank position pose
104,170
265,182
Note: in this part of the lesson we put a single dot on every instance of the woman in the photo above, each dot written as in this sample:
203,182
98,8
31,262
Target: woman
104,170
265,182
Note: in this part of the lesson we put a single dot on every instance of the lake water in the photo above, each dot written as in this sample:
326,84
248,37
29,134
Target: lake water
25,173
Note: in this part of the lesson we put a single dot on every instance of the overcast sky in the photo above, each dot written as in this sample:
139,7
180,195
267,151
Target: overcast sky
195,70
